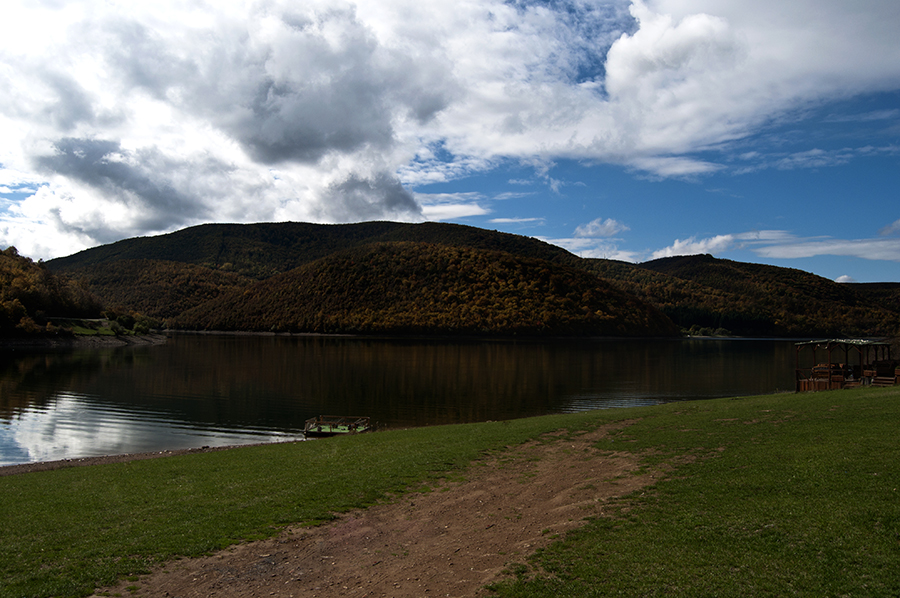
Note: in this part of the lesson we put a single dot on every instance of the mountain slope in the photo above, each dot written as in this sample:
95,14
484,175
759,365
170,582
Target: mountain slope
157,288
419,288
29,293
753,299
168,275
262,250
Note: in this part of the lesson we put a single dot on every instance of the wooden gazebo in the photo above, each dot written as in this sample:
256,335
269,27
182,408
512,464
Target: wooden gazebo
845,363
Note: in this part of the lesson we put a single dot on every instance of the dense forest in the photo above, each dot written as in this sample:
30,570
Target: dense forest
158,288
30,294
422,288
262,250
232,275
701,292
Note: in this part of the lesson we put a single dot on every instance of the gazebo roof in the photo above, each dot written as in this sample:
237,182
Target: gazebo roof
858,342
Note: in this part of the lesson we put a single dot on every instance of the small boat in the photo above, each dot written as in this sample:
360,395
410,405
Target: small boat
335,425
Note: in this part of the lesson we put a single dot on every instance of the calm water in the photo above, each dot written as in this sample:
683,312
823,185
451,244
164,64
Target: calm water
221,390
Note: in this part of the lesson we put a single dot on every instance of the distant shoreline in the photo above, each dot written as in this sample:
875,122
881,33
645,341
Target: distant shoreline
97,341
160,338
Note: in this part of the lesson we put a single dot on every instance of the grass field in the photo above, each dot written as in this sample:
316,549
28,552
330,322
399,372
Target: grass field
785,495
775,495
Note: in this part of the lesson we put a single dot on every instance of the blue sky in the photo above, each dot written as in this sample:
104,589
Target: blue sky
764,131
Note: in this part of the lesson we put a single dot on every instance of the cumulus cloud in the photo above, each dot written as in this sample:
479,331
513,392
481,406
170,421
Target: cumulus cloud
123,122
588,247
785,245
718,244
146,121
600,228
692,246
596,239
891,229
368,199
145,180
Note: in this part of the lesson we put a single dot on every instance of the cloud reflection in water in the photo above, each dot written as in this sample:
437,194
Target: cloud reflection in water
73,426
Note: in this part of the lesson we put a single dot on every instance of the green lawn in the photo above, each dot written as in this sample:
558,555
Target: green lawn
774,495
67,531
786,495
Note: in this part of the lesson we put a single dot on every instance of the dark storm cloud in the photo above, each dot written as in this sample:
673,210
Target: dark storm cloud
319,87
104,166
72,104
142,59
300,122
311,87
369,198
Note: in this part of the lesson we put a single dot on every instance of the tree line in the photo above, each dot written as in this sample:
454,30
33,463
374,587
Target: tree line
30,295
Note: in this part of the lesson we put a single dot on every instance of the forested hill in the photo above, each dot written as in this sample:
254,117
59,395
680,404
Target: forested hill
701,291
423,288
169,275
262,250
29,294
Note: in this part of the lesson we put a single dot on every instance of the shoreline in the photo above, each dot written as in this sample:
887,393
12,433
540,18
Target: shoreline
160,338
74,342
20,468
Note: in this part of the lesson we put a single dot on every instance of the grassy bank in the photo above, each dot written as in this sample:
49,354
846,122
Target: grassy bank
788,495
775,495
66,531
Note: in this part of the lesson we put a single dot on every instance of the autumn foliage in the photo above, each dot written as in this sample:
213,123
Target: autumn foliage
29,294
389,277
703,292
157,288
420,288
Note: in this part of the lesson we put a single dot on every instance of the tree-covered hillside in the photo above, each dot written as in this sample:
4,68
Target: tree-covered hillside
157,288
420,288
192,269
29,294
263,250
883,294
701,291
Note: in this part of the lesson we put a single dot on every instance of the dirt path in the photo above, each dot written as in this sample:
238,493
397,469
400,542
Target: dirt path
448,542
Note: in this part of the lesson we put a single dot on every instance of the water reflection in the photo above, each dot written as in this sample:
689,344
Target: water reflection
73,426
215,390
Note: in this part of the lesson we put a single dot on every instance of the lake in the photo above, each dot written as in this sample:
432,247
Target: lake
216,390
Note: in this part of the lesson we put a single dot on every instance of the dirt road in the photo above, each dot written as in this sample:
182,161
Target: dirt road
451,541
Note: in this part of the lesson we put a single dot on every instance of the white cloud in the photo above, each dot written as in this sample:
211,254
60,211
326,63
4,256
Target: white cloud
600,228
812,158
845,278
138,122
511,195
134,119
891,229
870,249
588,247
517,220
693,246
447,206
595,240
784,245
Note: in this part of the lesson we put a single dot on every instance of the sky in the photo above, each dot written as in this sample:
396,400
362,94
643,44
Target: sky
763,131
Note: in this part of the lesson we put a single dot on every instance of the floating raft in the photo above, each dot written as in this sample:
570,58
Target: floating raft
336,425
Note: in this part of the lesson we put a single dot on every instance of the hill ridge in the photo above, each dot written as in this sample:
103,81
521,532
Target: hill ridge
169,275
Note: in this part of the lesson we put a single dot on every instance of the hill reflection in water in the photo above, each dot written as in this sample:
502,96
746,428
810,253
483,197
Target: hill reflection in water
200,390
